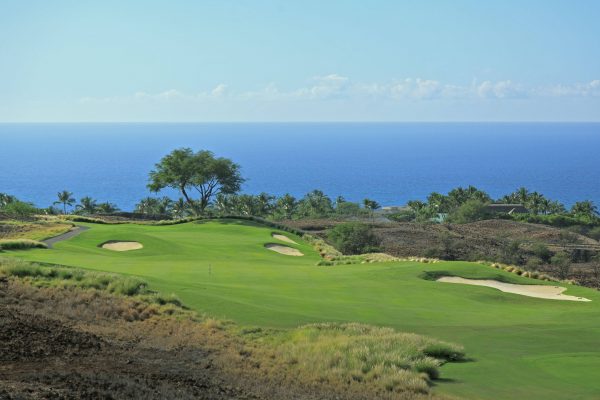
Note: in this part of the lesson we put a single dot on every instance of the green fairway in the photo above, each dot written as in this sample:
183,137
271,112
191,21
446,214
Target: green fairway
521,347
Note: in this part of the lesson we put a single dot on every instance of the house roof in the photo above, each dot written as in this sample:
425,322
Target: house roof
507,208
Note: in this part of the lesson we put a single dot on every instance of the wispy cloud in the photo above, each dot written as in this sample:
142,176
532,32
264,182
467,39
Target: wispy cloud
336,87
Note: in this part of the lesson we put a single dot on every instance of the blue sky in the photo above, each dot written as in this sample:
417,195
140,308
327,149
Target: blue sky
299,61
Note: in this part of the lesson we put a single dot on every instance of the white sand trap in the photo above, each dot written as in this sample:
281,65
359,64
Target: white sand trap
283,238
288,251
539,291
122,246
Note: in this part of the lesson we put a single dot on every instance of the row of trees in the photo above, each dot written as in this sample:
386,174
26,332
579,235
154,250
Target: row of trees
86,205
470,204
211,184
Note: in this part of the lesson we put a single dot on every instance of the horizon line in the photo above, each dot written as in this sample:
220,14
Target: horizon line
306,122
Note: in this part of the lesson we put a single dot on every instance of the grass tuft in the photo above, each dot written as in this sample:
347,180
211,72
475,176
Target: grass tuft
21,244
359,353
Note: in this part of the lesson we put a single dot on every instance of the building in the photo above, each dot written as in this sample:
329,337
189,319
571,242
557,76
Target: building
507,209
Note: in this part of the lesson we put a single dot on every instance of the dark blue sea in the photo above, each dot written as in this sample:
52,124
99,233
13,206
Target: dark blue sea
389,162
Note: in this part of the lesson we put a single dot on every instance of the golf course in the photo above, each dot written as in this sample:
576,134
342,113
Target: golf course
518,347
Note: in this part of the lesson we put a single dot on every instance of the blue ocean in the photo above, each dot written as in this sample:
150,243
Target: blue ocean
389,162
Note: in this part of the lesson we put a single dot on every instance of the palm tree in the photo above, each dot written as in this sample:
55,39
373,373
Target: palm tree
163,206
371,205
264,204
181,208
87,205
521,195
66,199
287,204
585,208
556,207
534,202
6,199
107,208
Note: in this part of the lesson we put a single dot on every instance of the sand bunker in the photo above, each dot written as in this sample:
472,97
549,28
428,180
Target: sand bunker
288,251
539,291
282,238
121,246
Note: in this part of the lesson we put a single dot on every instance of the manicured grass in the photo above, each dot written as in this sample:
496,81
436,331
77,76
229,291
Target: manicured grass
521,347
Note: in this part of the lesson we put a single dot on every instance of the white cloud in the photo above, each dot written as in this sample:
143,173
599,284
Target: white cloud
334,86
591,88
324,87
219,91
501,90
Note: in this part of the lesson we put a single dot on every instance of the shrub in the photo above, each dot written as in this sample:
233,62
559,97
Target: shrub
470,211
126,286
403,216
562,264
542,251
594,233
428,366
361,353
353,238
19,210
21,244
445,351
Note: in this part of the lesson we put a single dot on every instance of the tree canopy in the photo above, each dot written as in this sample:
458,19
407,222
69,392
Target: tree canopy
201,171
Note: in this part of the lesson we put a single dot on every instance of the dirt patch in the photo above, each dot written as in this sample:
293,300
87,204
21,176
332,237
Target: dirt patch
283,238
288,251
539,291
121,246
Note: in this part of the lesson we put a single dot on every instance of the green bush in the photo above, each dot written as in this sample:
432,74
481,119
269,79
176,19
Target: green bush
428,366
19,210
127,286
594,233
557,220
445,351
403,216
353,238
470,211
21,244
542,251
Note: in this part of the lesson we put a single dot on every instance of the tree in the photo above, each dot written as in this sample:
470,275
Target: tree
286,206
315,204
180,208
107,208
535,202
87,205
6,199
264,203
353,238
185,171
66,199
371,205
585,208
154,206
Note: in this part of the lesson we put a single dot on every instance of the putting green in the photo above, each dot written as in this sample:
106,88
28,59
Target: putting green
521,347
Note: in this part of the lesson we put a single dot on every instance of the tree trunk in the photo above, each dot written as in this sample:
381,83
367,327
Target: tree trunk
190,202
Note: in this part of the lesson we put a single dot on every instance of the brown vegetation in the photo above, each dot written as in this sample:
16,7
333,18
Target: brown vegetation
61,339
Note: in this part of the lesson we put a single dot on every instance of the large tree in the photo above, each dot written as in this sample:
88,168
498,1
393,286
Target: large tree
202,172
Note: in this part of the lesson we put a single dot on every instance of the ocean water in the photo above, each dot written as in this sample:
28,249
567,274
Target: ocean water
389,162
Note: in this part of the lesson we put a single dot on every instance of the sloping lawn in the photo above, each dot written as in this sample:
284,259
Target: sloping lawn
521,347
